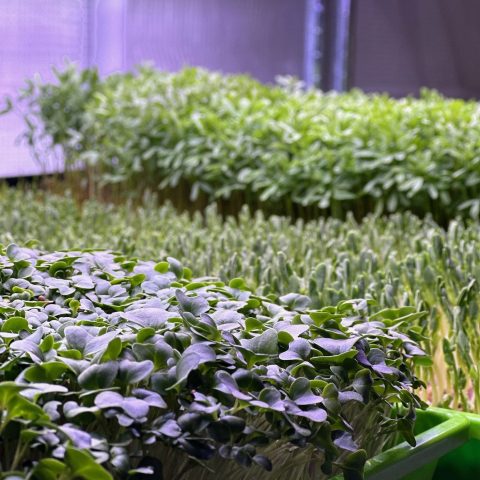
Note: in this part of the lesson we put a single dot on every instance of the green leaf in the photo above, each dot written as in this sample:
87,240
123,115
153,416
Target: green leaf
137,279
238,284
145,333
353,465
191,359
49,469
47,343
15,324
263,344
46,372
194,305
113,350
362,383
162,267
333,359
98,376
83,465
20,407
9,390
301,393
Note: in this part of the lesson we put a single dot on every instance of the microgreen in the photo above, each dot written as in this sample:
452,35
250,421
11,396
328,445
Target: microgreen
105,377
213,136
400,262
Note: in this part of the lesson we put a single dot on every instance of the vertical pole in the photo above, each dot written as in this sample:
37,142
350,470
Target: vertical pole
108,35
341,44
313,32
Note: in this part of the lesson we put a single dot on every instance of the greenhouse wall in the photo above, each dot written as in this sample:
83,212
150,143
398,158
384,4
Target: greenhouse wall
35,35
217,34
222,34
399,46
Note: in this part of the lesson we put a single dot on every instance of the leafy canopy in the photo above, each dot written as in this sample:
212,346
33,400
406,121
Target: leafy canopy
115,367
279,147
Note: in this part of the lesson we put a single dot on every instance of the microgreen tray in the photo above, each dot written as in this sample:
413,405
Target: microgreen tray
448,446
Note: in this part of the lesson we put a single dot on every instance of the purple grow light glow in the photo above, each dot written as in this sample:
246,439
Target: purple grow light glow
264,38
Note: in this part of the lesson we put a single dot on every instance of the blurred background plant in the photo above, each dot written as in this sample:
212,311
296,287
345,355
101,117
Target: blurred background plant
197,136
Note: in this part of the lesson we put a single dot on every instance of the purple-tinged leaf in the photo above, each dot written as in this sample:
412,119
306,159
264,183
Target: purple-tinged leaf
191,358
108,400
269,398
301,393
225,383
194,305
130,372
78,437
295,301
170,429
345,397
135,407
98,376
148,317
345,441
297,350
335,346
153,399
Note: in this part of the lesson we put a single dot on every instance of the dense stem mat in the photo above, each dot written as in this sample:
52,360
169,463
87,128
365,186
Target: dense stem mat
397,261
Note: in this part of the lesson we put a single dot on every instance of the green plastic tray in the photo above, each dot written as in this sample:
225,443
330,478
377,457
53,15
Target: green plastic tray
448,447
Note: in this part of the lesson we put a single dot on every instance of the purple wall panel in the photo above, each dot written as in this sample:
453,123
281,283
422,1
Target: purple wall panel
36,35
401,45
263,38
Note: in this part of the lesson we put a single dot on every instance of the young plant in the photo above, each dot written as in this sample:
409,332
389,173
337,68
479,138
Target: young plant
113,367
232,139
397,261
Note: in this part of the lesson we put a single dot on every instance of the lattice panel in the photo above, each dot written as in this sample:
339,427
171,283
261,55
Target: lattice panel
35,35
262,37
